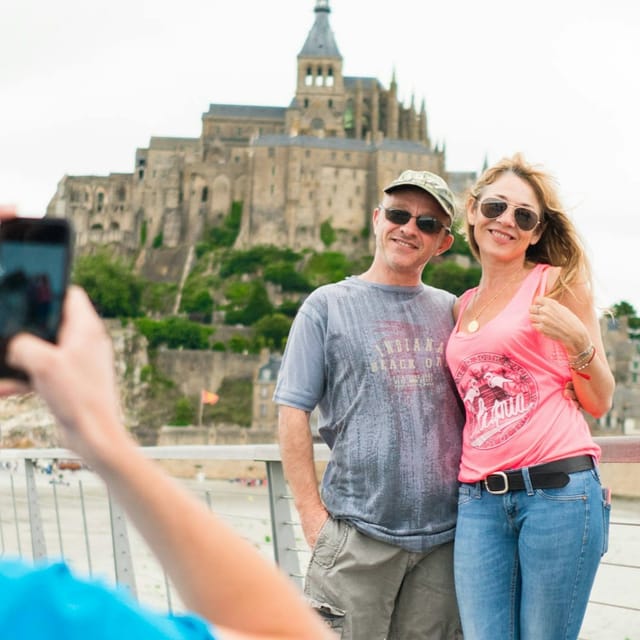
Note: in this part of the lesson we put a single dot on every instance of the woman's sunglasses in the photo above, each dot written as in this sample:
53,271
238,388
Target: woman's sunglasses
427,224
494,208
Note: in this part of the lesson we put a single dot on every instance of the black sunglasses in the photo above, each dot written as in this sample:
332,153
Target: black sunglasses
494,208
427,224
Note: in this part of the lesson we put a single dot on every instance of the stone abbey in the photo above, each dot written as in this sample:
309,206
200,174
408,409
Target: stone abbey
323,159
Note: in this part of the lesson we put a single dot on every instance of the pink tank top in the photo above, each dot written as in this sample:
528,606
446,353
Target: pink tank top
511,379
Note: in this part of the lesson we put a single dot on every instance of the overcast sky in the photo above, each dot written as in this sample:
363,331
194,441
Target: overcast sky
83,84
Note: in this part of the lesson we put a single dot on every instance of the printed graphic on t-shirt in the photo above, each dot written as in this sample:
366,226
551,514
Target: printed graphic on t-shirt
499,396
407,355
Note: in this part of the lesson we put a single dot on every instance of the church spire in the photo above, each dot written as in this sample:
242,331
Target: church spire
320,42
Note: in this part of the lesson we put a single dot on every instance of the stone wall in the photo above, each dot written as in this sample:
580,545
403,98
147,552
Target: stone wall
193,370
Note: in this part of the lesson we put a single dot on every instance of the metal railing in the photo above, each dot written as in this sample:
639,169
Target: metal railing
37,516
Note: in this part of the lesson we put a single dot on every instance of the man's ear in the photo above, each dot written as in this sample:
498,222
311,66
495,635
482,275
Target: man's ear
445,245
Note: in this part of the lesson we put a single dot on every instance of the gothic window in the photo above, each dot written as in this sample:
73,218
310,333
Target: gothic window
100,201
306,102
330,103
205,194
348,120
122,193
140,173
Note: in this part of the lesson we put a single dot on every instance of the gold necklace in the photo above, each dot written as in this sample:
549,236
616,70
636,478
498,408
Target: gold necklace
473,324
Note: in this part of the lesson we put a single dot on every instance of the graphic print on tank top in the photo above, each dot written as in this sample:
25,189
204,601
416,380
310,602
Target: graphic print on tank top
499,396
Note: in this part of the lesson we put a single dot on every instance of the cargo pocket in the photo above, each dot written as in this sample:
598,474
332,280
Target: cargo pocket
330,542
330,615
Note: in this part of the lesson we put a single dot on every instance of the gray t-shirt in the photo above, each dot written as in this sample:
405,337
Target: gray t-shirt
372,358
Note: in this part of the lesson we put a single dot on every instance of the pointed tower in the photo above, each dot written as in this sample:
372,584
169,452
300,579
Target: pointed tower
320,95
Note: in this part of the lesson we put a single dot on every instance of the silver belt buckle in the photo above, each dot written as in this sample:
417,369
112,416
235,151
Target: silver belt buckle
505,479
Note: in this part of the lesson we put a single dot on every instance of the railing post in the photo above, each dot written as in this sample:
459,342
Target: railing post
121,548
38,543
284,542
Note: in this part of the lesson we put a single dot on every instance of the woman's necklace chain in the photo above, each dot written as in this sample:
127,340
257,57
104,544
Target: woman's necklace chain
473,324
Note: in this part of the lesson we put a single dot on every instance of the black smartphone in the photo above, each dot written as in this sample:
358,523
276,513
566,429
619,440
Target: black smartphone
35,259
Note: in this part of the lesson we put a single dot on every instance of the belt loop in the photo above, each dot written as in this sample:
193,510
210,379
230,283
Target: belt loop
527,481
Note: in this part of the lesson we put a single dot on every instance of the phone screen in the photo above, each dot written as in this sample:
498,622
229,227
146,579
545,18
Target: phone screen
34,267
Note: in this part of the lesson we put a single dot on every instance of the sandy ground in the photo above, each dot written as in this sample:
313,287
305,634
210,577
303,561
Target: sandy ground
246,509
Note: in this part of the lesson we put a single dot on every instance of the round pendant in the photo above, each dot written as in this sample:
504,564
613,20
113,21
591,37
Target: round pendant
473,326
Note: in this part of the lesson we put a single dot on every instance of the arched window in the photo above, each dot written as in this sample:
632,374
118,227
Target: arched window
205,194
100,201
308,79
329,79
319,78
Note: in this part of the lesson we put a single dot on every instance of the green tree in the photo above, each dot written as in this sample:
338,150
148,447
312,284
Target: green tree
184,413
159,297
451,276
289,308
197,299
175,333
285,274
257,306
272,331
111,284
327,233
330,266
223,235
624,308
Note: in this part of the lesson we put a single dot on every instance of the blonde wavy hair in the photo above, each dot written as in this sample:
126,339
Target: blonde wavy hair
559,244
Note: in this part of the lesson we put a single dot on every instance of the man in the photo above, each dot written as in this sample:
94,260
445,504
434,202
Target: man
369,353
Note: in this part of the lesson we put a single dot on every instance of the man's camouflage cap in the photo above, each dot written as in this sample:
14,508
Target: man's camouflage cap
432,184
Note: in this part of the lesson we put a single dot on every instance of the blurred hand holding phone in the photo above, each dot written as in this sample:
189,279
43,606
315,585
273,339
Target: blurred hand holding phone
35,260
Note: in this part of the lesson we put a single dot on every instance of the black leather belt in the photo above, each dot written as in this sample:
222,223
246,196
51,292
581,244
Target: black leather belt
551,475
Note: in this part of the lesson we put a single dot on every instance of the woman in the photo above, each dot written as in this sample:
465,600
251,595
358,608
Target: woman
533,517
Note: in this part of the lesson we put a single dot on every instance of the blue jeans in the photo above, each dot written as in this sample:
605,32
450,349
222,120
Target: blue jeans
525,561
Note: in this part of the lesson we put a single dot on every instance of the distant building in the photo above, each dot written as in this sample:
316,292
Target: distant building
265,411
622,346
323,159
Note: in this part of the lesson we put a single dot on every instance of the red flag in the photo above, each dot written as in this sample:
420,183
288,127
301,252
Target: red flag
208,397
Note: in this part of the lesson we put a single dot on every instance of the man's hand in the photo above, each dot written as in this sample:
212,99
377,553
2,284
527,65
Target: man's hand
312,523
